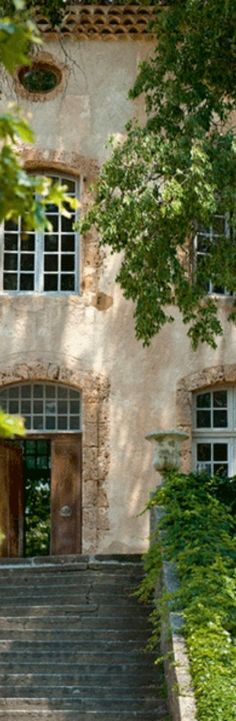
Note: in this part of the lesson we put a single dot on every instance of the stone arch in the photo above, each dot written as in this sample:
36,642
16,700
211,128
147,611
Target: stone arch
70,163
95,428
208,377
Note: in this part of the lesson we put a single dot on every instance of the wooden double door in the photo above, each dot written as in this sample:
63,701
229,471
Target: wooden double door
29,468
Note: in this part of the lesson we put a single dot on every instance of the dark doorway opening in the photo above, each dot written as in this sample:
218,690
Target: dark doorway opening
40,493
37,495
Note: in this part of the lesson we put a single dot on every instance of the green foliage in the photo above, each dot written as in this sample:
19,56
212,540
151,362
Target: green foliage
11,425
37,517
173,174
198,535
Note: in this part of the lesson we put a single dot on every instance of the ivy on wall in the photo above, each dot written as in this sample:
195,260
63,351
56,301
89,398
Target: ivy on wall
199,536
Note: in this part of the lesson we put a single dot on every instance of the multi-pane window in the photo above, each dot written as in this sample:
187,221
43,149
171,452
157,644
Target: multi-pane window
41,261
203,241
46,407
214,431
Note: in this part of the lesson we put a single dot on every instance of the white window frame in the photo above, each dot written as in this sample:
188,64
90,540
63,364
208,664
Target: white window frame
50,406
216,435
211,235
39,273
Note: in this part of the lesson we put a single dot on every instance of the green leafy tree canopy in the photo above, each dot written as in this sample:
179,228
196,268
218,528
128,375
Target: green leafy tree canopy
173,174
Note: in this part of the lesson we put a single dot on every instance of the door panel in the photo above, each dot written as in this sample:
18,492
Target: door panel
66,494
11,500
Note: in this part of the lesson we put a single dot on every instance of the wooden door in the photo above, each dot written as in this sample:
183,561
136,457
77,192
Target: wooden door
11,500
66,494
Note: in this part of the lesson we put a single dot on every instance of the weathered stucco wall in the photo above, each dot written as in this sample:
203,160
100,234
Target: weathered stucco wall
92,335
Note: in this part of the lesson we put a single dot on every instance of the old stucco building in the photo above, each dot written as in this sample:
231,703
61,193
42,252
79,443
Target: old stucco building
69,360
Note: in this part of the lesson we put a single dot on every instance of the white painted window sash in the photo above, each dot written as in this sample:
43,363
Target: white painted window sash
216,435
39,273
209,232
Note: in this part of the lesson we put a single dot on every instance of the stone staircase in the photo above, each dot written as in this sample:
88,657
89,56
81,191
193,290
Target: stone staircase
72,641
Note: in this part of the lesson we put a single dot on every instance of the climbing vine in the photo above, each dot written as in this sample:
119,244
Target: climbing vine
198,535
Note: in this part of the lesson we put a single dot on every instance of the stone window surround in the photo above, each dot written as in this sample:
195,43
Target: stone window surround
47,59
206,379
38,160
95,437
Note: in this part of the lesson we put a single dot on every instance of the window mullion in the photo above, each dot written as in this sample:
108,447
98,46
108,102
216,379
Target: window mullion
39,261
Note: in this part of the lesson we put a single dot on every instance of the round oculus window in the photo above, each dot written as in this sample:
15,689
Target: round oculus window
39,78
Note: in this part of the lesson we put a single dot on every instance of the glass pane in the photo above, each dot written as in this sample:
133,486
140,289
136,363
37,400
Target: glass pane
220,399
74,394
25,391
10,241
4,393
220,469
50,423
10,261
27,422
68,243
50,391
50,282
30,446
74,406
10,281
62,423
62,392
37,390
26,407
218,289
27,242
38,423
203,419
204,400
220,452
42,447
203,451
41,461
74,423
51,263
11,224
62,407
54,222
69,183
13,407
38,406
68,262
50,208
67,223
27,262
30,461
218,225
220,419
50,408
51,243
68,282
13,392
204,467
26,281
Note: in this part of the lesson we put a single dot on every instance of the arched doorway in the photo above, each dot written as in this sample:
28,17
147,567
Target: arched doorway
40,477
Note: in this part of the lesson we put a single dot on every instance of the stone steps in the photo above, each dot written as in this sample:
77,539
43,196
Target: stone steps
72,639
